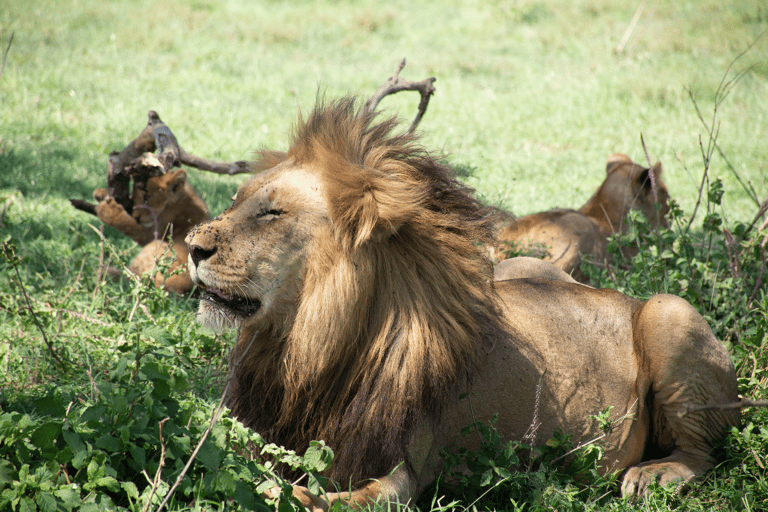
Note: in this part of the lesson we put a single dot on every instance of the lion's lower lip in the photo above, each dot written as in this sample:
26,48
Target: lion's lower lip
240,306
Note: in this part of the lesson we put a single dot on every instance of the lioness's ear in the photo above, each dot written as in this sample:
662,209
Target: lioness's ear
615,160
644,178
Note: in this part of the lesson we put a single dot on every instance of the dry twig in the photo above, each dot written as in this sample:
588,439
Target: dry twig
216,415
158,474
395,84
10,255
5,54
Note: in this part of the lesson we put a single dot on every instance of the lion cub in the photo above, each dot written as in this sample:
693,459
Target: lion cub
568,235
169,207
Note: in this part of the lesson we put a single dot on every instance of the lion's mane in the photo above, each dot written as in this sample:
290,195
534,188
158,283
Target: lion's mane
395,308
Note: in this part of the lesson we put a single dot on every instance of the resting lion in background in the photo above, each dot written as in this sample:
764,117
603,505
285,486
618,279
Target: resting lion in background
568,235
365,309
168,207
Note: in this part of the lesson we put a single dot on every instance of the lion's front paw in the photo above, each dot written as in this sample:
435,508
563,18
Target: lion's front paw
307,499
637,479
100,194
110,211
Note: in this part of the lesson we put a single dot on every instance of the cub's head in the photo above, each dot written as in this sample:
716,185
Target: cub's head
157,201
629,186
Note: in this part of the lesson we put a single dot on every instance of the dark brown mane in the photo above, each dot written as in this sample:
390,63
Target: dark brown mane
395,305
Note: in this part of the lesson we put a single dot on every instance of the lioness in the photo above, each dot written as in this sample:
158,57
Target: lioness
365,309
168,207
568,235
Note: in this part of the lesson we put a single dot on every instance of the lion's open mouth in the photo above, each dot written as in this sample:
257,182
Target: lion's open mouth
232,304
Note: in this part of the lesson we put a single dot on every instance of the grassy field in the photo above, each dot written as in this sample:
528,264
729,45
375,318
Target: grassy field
532,98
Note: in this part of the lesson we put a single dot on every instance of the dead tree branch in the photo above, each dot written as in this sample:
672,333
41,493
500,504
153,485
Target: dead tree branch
10,254
395,84
239,167
5,54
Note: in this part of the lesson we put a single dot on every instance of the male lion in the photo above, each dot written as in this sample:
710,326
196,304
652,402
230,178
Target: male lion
169,206
365,309
568,235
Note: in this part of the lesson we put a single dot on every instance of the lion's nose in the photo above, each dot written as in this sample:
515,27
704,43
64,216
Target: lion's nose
199,254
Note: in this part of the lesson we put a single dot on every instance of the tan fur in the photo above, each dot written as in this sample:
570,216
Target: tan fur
164,212
365,309
566,236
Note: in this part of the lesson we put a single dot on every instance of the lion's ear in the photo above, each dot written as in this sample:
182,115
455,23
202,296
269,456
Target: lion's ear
644,179
373,209
178,179
616,160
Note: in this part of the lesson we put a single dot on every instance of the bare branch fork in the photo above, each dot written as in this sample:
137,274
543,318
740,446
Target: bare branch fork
395,84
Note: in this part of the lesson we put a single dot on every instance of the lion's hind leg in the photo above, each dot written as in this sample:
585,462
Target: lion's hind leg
687,367
147,261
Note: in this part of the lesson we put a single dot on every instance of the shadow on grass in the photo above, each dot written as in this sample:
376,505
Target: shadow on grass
47,170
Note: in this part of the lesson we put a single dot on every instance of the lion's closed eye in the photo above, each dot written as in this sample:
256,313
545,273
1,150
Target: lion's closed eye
269,214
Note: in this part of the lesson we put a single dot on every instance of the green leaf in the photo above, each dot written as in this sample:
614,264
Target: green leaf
94,416
46,434
27,505
69,496
46,502
104,481
318,456
50,406
95,470
108,442
7,471
157,333
210,455
73,440
161,389
80,458
130,490
139,455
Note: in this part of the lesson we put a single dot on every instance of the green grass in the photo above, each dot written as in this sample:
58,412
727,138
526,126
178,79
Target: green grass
532,98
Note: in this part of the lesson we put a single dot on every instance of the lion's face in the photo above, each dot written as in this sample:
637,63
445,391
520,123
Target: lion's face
250,259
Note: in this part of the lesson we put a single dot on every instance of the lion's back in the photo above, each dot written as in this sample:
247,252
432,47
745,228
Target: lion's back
562,234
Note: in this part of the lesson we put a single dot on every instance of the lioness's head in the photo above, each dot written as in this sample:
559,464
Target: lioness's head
629,186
